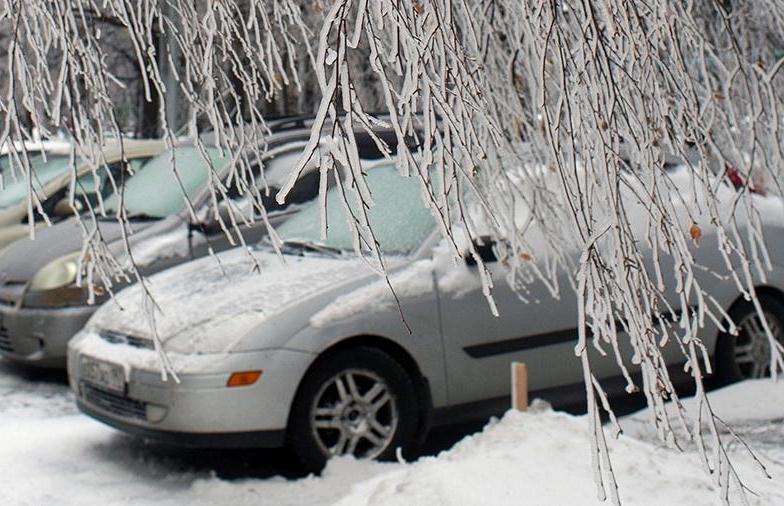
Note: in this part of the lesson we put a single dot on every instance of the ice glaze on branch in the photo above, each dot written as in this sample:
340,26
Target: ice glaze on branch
571,110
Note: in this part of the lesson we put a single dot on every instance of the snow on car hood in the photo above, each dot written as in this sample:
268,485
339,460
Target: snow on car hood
207,306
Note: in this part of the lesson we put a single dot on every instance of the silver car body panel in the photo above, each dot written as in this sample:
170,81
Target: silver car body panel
316,302
50,327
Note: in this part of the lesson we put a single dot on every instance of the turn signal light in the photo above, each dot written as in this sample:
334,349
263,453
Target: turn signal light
243,378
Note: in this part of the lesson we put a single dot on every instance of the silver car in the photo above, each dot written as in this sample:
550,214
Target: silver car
312,352
41,306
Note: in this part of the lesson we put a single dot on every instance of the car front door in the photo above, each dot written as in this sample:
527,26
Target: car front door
479,347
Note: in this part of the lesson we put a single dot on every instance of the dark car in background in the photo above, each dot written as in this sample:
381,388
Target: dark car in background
41,304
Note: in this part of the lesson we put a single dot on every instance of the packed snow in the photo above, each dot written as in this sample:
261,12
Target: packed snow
51,454
196,298
174,243
541,457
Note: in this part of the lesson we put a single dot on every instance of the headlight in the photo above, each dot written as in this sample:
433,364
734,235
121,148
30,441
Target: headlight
56,274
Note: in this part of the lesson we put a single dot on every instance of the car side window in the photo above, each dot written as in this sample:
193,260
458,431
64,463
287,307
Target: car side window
238,193
277,171
104,182
89,186
305,190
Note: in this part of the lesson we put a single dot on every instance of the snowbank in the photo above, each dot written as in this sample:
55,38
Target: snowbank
535,458
747,401
542,457
49,454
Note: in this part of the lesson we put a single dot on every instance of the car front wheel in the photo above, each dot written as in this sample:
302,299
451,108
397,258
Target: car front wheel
358,402
747,355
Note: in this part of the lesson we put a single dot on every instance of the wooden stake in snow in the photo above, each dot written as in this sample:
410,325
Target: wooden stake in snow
519,386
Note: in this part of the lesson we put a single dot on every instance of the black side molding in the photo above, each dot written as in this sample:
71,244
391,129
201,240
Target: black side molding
570,398
541,340
521,343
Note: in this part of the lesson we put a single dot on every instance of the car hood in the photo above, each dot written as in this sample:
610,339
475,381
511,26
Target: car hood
208,305
12,215
24,258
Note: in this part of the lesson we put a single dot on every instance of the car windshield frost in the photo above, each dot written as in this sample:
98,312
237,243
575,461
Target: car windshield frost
399,219
154,192
15,186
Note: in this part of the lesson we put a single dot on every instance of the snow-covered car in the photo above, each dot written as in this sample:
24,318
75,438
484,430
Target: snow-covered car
50,163
313,351
41,304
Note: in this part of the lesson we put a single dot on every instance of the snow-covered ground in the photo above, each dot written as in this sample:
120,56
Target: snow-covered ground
541,457
49,454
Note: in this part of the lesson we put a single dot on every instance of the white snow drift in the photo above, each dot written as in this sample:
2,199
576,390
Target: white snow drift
49,454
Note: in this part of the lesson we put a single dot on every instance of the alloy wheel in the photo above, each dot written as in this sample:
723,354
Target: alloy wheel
752,346
355,414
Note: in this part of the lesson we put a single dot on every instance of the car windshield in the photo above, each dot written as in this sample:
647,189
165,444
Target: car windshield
399,218
15,185
154,191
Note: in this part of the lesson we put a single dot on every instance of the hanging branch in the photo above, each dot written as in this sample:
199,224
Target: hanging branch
570,110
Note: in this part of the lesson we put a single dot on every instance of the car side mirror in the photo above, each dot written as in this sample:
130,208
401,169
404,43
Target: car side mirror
484,248
212,223
64,208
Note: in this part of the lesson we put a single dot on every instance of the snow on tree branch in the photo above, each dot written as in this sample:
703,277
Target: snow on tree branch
572,110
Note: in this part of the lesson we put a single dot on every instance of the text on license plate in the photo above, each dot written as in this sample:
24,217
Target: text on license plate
103,374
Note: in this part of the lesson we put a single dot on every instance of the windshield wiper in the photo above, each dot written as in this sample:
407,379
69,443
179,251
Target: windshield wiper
112,216
297,247
143,217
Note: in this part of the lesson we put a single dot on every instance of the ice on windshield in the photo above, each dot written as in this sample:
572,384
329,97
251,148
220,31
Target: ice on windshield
154,191
399,219
15,189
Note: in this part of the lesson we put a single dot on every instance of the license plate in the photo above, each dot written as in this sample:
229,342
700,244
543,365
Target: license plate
103,374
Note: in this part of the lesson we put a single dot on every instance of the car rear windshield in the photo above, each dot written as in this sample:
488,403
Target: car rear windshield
15,185
155,192
399,219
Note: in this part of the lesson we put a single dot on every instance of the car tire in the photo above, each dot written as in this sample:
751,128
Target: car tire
747,354
370,419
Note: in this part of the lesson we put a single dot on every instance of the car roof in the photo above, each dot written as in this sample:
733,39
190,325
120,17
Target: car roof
55,146
115,149
298,128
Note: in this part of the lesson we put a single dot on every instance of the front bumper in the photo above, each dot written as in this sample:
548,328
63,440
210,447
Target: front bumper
255,439
200,410
39,336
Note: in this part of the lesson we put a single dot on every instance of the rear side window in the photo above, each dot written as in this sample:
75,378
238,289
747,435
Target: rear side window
106,180
90,188
277,170
44,170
